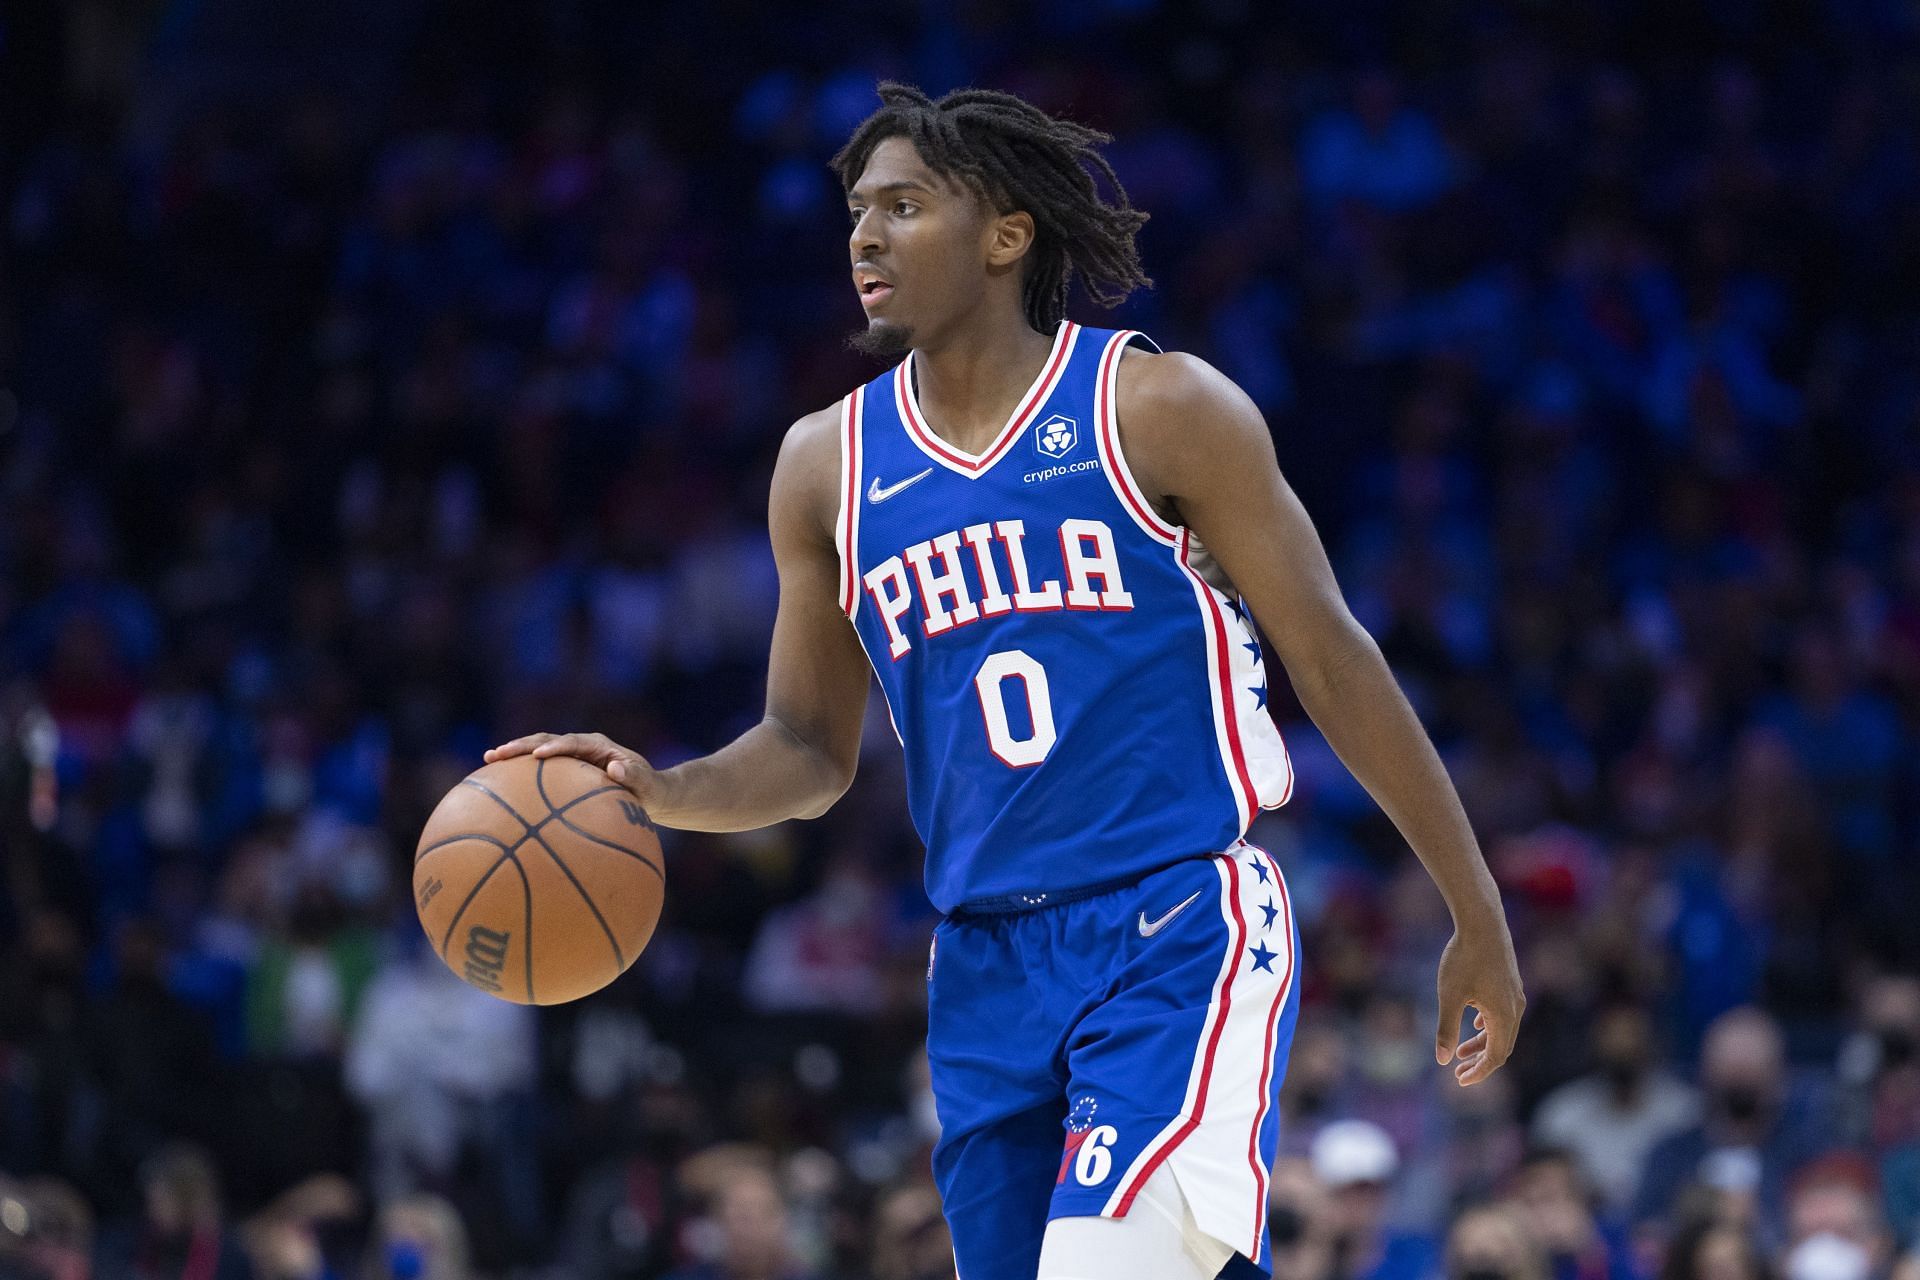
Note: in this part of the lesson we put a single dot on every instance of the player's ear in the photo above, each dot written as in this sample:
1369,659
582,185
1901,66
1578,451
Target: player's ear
1009,237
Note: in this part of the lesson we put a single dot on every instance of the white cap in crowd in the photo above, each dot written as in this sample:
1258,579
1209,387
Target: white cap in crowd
1349,1152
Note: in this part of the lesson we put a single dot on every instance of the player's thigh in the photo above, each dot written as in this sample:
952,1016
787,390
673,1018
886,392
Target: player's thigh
1179,1067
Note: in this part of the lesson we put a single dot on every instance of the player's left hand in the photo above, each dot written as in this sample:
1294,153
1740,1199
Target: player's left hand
1478,969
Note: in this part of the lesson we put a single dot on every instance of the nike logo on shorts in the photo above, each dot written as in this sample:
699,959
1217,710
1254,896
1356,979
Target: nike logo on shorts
876,494
1148,930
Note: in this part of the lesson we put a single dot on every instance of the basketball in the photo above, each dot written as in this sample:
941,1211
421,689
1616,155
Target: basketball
539,880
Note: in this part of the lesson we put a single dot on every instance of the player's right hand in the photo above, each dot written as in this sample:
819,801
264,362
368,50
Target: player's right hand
626,767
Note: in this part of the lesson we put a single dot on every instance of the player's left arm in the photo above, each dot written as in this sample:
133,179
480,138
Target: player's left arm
1201,451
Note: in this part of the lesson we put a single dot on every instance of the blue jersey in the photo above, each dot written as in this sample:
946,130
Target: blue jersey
1076,686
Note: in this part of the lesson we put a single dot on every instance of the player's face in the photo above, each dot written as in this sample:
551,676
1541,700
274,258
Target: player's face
918,244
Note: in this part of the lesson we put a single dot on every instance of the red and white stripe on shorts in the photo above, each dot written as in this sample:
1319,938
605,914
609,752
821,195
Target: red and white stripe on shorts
1213,1144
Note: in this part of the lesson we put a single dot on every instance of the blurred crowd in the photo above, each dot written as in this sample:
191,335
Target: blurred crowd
349,427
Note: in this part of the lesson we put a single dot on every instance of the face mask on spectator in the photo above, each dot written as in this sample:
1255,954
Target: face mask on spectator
1740,1103
1481,1272
1826,1255
1897,1048
1622,1071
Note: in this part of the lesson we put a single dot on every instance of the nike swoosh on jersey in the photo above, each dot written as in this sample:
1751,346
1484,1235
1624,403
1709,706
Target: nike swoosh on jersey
876,494
1148,930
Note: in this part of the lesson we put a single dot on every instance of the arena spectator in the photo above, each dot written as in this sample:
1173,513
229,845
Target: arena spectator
1300,1222
59,1237
144,1041
744,1235
309,1232
184,1233
1317,1077
1550,1200
910,1239
616,1220
1612,1118
1356,1161
1878,1068
307,984
1488,1242
1710,1248
1751,1117
420,1238
443,1070
822,954
1834,1227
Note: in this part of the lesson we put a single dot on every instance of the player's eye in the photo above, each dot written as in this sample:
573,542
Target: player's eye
903,205
853,216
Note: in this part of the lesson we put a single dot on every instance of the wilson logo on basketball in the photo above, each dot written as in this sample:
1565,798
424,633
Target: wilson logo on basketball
636,816
486,956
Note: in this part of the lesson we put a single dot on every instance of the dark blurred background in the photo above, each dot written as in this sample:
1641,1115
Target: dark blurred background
381,379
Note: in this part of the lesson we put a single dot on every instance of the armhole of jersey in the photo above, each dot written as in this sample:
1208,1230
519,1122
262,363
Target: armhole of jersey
1107,411
1178,539
846,525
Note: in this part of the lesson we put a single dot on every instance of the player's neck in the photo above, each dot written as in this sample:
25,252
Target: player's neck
969,384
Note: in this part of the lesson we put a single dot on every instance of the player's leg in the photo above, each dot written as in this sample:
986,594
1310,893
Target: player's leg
1178,1067
1157,1240
991,1055
994,1181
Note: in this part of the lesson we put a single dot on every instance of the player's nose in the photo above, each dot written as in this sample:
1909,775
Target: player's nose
866,241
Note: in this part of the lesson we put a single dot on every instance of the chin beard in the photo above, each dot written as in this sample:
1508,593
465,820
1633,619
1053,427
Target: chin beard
887,341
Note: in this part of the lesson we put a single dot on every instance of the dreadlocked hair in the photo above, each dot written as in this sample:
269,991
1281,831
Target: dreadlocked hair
1017,157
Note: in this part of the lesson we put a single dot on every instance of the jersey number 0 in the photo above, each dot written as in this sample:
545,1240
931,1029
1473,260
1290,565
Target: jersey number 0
991,684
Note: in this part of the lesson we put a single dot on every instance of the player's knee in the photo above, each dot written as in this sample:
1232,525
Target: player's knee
1157,1240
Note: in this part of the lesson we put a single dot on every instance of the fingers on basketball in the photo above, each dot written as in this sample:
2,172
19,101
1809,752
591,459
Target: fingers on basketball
517,747
565,744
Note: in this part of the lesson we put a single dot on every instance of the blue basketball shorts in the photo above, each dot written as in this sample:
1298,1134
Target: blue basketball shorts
1079,1048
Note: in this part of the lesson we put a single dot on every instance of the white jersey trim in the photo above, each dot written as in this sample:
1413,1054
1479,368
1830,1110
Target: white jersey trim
846,528
1106,408
958,460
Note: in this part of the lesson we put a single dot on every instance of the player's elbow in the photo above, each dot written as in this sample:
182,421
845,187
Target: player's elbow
823,769
1333,661
834,781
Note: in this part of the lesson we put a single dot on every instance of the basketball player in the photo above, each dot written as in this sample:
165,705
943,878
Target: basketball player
1045,538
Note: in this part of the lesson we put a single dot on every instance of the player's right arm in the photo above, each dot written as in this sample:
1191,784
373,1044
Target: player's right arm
800,758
